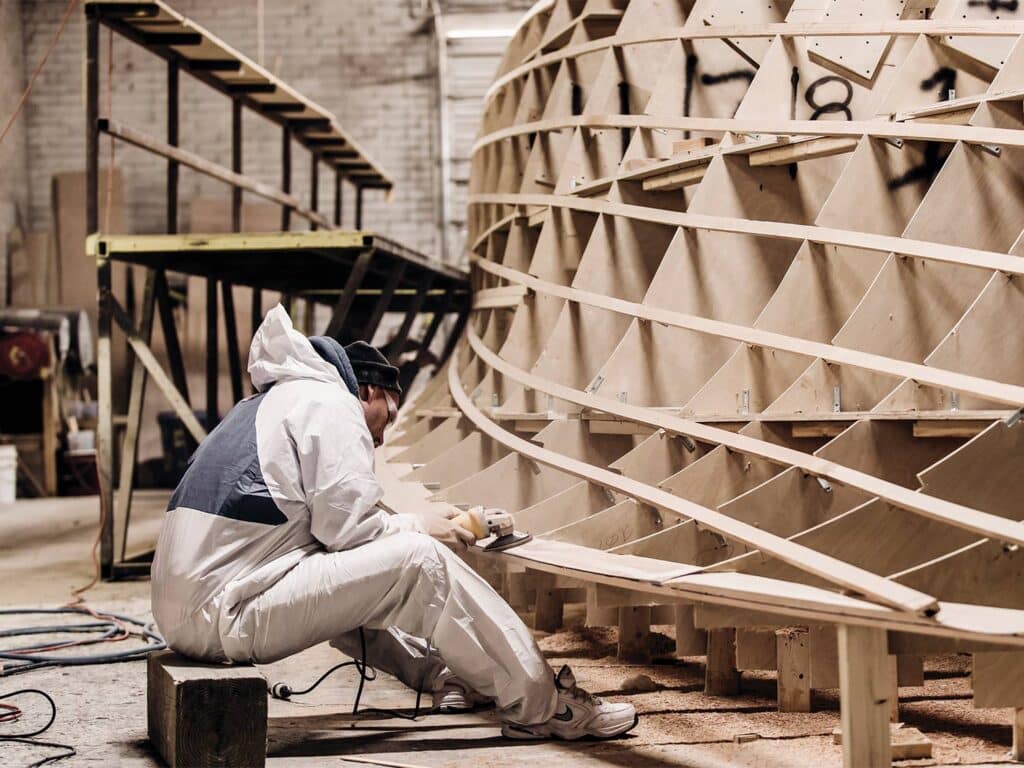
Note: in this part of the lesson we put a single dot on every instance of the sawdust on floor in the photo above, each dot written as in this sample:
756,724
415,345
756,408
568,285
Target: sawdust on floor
678,713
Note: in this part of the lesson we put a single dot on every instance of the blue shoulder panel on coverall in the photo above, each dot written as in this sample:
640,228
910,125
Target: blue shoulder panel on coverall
224,476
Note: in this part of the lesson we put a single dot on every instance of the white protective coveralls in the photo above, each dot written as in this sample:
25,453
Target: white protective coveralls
273,542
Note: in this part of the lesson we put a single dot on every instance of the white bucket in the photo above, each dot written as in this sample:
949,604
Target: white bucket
8,473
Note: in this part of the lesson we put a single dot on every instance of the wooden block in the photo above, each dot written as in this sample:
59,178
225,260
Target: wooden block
894,690
905,743
634,634
793,649
549,606
721,677
206,714
949,428
688,145
864,693
803,150
909,671
755,648
690,641
824,656
998,679
636,163
599,615
674,180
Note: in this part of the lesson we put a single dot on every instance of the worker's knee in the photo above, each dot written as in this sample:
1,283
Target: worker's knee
421,552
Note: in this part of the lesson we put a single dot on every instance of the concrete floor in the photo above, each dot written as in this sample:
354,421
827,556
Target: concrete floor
44,552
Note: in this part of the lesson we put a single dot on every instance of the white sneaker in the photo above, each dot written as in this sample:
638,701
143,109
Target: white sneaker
455,696
579,714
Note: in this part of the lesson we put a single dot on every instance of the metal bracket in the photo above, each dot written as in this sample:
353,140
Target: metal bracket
954,401
836,393
1012,419
595,384
688,444
494,399
893,141
745,402
992,149
826,486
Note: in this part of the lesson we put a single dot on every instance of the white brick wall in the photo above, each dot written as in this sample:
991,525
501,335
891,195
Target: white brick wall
13,165
365,60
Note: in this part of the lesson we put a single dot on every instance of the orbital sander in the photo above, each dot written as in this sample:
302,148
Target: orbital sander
492,521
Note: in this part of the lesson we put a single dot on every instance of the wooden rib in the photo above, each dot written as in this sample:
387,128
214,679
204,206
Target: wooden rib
784,29
835,571
739,590
879,129
957,515
997,391
951,254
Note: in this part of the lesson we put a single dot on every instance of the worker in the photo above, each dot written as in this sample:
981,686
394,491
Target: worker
273,542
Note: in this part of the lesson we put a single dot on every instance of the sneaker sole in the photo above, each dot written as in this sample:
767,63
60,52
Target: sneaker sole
523,734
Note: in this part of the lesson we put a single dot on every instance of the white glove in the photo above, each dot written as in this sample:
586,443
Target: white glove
442,527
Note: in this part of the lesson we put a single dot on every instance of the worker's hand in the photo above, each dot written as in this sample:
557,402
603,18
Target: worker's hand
442,527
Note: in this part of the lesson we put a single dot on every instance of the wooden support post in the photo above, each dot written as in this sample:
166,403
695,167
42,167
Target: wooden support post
170,331
286,176
51,423
397,343
337,197
549,604
105,414
910,670
231,334
599,615
519,589
172,139
383,301
206,714
793,649
635,634
236,164
864,692
314,186
212,363
359,207
136,399
435,323
721,678
690,641
454,336
227,293
1017,751
348,297
163,383
894,690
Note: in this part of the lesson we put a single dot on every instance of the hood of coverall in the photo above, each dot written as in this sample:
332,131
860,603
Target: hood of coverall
280,353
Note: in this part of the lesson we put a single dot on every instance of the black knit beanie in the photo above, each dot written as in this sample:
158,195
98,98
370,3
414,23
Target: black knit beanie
371,367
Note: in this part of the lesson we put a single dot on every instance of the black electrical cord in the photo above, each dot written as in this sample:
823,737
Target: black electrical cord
366,673
109,627
28,737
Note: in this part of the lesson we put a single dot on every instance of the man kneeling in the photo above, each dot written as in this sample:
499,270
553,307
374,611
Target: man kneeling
273,543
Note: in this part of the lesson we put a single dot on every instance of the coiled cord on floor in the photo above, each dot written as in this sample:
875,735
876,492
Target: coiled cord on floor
13,714
107,627
366,673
